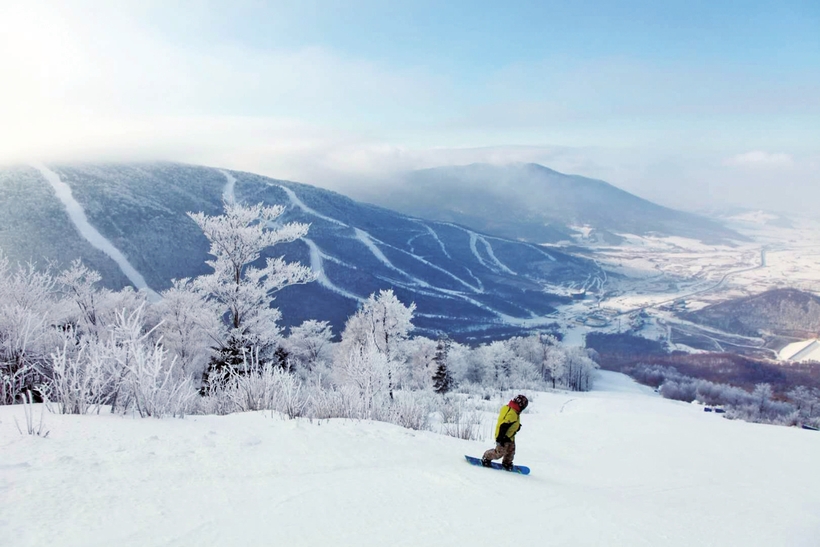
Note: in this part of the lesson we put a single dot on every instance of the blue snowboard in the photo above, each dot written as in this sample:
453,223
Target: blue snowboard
495,465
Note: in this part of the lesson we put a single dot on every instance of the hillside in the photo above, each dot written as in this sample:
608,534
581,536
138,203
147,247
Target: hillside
618,466
530,202
469,284
779,312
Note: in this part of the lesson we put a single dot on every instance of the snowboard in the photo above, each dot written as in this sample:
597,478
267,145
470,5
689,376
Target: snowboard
495,465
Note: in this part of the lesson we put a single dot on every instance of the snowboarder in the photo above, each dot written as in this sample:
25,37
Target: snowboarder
509,423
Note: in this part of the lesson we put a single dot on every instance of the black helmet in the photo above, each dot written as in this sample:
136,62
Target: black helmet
521,401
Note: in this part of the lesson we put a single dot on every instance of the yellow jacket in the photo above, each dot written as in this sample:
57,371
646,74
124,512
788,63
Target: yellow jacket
508,423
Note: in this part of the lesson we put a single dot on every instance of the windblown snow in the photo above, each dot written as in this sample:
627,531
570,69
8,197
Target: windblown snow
618,466
92,235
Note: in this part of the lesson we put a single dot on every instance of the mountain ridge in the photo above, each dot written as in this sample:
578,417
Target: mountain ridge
531,202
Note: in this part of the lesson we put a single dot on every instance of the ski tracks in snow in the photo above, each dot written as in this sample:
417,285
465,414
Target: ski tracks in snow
78,217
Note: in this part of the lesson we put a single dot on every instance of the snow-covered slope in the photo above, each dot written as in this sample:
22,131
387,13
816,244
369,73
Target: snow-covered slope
469,284
804,351
618,466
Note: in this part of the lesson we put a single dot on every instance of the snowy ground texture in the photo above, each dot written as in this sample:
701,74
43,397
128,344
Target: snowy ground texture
618,466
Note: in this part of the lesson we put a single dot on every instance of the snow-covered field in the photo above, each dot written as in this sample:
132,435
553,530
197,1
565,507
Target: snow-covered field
618,466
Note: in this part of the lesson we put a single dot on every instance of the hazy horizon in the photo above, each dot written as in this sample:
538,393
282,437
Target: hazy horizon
690,105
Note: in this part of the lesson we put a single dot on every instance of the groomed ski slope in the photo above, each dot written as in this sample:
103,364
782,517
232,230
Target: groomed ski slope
618,467
78,217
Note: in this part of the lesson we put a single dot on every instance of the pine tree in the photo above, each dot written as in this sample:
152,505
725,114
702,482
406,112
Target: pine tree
442,381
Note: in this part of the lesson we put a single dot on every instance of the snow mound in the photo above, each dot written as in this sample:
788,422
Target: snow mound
618,466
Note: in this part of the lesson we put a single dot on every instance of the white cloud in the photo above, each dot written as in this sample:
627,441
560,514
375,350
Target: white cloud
760,159
87,80
84,84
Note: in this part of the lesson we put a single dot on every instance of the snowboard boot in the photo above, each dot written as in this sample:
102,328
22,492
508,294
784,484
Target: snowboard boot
507,466
486,463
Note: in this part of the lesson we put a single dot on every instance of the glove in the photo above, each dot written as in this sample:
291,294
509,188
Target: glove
501,441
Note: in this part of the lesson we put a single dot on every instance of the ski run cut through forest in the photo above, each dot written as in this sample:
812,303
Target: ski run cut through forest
616,466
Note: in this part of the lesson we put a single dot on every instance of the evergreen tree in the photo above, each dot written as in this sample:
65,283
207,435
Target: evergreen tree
442,380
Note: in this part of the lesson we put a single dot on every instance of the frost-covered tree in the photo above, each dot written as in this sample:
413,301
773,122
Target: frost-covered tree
762,394
807,401
421,354
310,347
188,326
580,370
383,323
245,292
459,359
79,285
544,353
28,312
92,309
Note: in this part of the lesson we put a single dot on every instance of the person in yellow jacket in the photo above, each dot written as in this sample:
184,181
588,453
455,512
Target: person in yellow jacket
509,423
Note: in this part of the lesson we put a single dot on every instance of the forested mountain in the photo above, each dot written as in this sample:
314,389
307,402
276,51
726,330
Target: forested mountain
530,202
779,312
463,282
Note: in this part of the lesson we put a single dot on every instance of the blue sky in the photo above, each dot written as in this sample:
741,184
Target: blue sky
696,104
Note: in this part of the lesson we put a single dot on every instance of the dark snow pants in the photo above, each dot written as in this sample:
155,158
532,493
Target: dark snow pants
504,451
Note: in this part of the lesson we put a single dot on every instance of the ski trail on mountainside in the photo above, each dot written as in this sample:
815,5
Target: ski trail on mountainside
294,199
493,257
474,239
480,284
371,241
445,294
435,236
368,242
92,235
532,321
545,253
316,265
228,195
428,263
474,248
